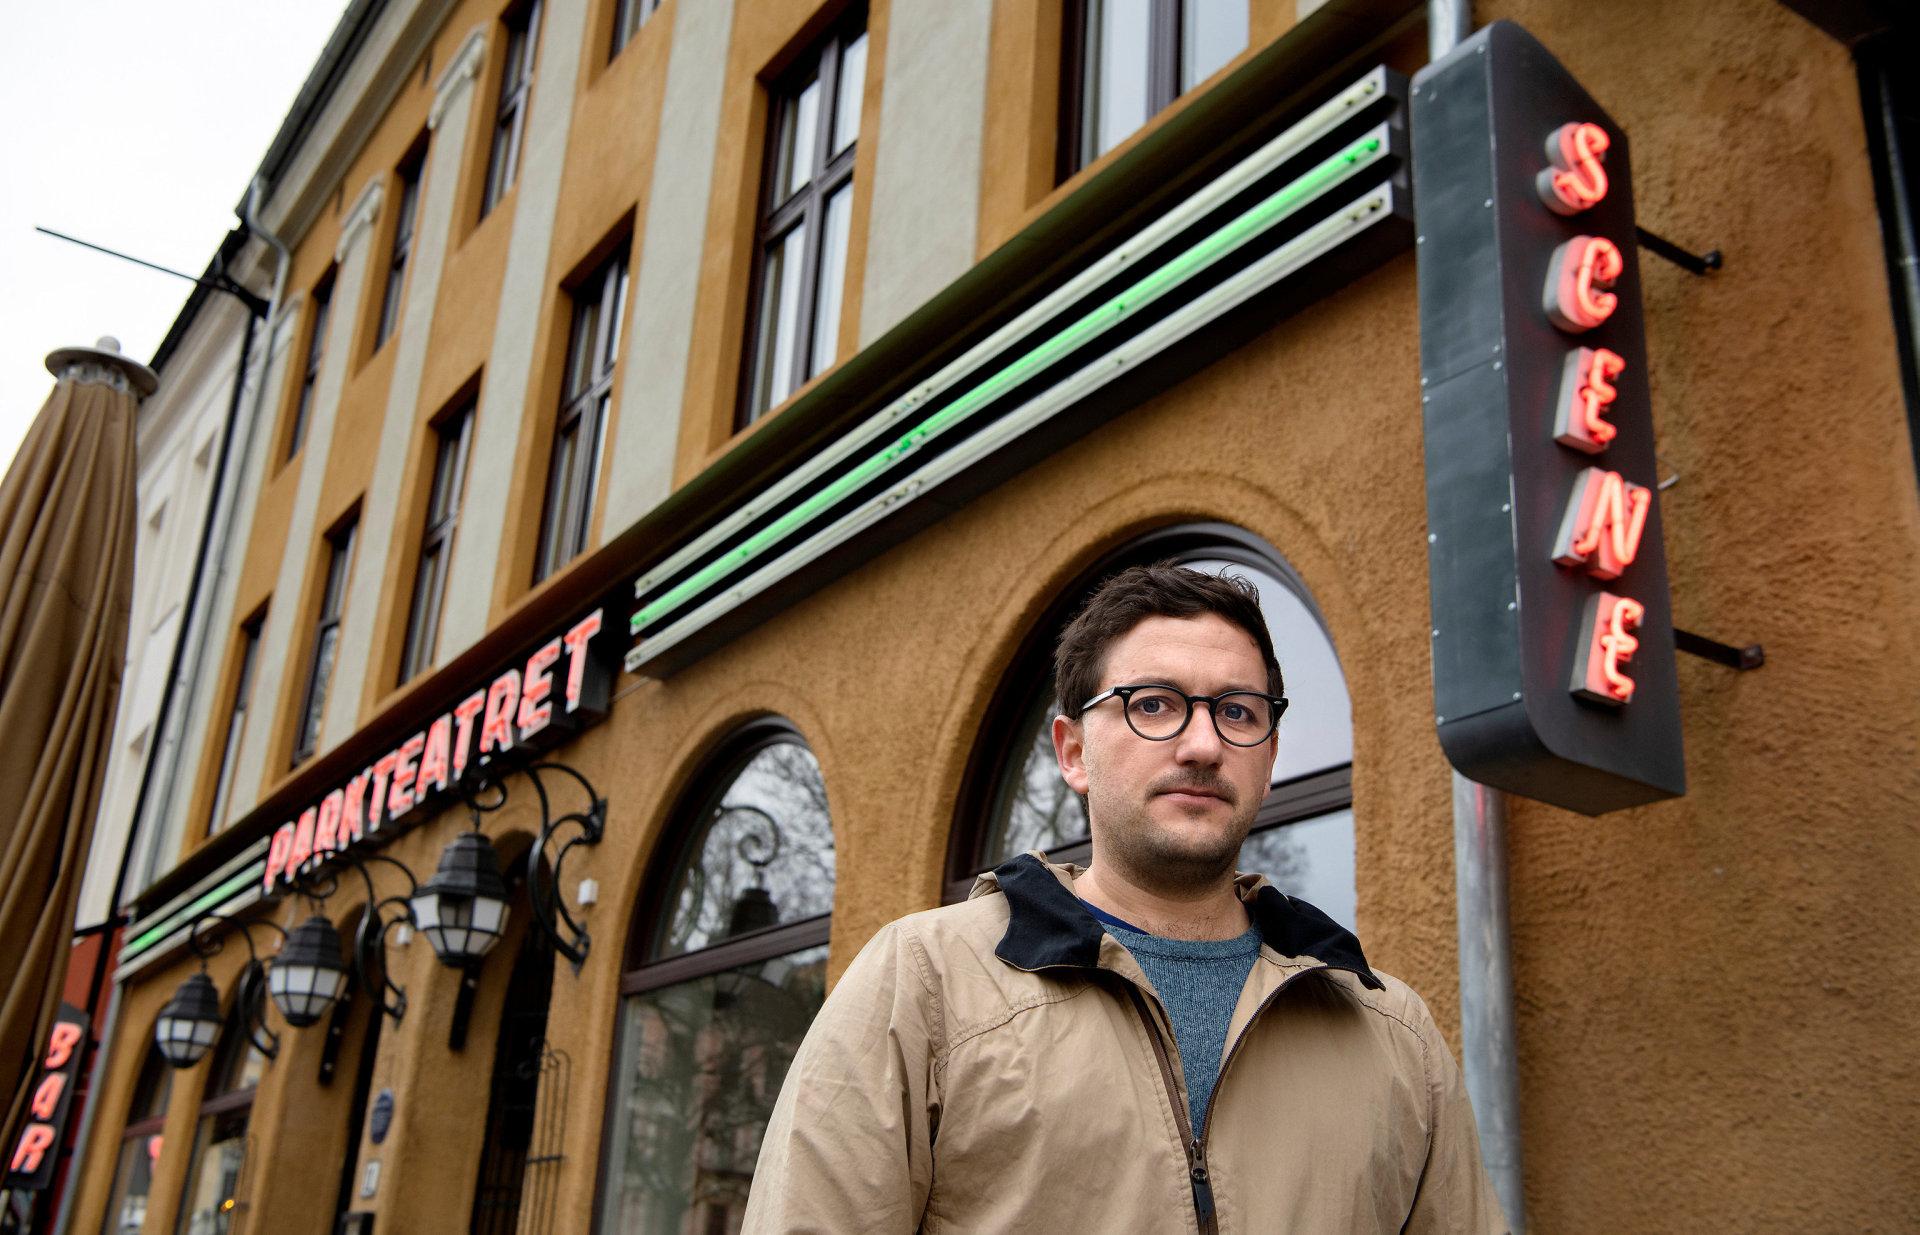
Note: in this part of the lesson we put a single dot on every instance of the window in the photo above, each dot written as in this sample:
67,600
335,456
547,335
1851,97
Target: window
628,17
806,203
436,542
510,117
236,721
310,375
326,641
1302,839
211,1204
139,1147
593,345
405,219
1127,59
723,977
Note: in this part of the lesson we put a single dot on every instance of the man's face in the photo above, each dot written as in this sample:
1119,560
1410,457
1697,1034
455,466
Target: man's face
1172,813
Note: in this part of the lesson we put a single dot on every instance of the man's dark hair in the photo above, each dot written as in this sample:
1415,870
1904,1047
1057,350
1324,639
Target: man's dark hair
1164,589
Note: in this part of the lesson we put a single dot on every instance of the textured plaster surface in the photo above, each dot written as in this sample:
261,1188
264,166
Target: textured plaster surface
1714,992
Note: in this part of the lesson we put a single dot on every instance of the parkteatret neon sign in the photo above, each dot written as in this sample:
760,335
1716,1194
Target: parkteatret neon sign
1605,513
515,712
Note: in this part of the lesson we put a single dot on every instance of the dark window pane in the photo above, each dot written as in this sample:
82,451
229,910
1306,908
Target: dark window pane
132,1183
780,320
627,20
236,724
510,115
1311,859
765,857
846,108
436,545
1035,809
833,274
797,150
208,1207
700,1065
1118,97
593,350
325,643
310,375
1212,32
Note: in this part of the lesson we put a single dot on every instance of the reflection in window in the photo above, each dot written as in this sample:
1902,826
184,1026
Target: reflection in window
139,1147
1130,58
805,211
1303,836
727,982
211,1204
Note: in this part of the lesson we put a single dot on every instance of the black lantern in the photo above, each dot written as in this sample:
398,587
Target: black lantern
190,1022
309,973
462,910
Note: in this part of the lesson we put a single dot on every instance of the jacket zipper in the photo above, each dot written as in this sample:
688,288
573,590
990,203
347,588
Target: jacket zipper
1203,1210
1196,1146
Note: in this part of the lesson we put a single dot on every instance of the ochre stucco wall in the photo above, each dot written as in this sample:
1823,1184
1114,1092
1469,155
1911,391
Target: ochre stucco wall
1713,992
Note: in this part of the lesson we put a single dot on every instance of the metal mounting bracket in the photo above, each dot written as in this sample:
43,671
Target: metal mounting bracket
1689,261
1751,656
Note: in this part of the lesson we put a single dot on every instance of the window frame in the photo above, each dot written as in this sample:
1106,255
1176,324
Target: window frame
705,790
319,317
629,16
420,641
406,226
998,747
139,1127
508,138
806,208
564,533
341,542
238,706
653,910
229,1062
1165,35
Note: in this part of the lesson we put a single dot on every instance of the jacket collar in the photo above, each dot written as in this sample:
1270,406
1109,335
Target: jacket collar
1048,925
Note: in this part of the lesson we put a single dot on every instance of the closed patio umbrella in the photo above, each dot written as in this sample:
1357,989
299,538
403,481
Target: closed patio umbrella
66,585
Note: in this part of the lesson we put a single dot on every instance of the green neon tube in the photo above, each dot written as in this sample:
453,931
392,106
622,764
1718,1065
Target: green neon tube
1148,289
154,934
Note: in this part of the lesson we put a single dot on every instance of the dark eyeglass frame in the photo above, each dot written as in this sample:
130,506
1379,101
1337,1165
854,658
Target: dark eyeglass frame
1125,695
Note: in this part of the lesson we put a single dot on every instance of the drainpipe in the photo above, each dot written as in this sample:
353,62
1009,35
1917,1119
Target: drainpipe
1487,1053
177,683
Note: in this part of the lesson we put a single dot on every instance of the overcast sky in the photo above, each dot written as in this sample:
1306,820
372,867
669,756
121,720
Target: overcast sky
135,124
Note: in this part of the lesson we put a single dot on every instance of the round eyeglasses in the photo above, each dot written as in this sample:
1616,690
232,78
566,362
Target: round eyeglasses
1161,713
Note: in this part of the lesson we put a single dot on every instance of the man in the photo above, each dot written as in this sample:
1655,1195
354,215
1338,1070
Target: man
1150,1044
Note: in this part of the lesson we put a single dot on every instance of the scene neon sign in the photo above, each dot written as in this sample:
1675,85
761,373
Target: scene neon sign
561,687
1606,513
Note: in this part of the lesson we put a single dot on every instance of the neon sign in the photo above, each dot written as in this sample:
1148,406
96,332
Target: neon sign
1576,181
1607,643
1579,292
561,687
1552,627
31,1165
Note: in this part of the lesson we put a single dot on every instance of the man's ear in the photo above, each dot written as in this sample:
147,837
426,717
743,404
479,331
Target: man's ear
1068,749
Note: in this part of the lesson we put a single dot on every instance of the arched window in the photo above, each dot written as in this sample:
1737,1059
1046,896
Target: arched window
139,1146
1302,838
209,1205
726,968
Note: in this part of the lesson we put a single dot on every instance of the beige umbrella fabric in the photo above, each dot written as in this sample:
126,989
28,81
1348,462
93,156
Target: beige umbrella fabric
66,585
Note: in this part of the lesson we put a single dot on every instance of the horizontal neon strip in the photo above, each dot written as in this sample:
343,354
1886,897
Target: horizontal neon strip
183,918
1255,220
1318,124
1322,238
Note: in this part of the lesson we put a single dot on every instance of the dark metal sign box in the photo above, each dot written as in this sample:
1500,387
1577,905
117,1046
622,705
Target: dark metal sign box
1507,621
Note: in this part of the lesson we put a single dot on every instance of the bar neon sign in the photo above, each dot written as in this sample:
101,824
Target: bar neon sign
561,687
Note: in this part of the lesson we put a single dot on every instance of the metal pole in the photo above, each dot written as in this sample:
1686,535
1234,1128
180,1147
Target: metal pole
1486,987
1487,1053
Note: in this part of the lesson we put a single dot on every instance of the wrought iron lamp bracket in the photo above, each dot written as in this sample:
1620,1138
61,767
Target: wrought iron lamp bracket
252,991
375,924
551,917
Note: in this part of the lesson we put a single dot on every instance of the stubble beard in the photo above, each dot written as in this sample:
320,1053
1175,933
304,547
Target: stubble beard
1127,837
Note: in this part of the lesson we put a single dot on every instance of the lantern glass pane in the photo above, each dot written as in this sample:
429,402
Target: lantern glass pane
489,914
426,910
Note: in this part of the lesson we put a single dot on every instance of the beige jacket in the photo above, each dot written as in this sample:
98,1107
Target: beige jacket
1004,1065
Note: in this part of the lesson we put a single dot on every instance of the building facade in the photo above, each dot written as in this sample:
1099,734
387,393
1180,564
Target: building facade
689,424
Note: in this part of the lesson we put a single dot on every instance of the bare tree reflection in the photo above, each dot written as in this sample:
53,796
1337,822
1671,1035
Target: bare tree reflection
780,785
701,1065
